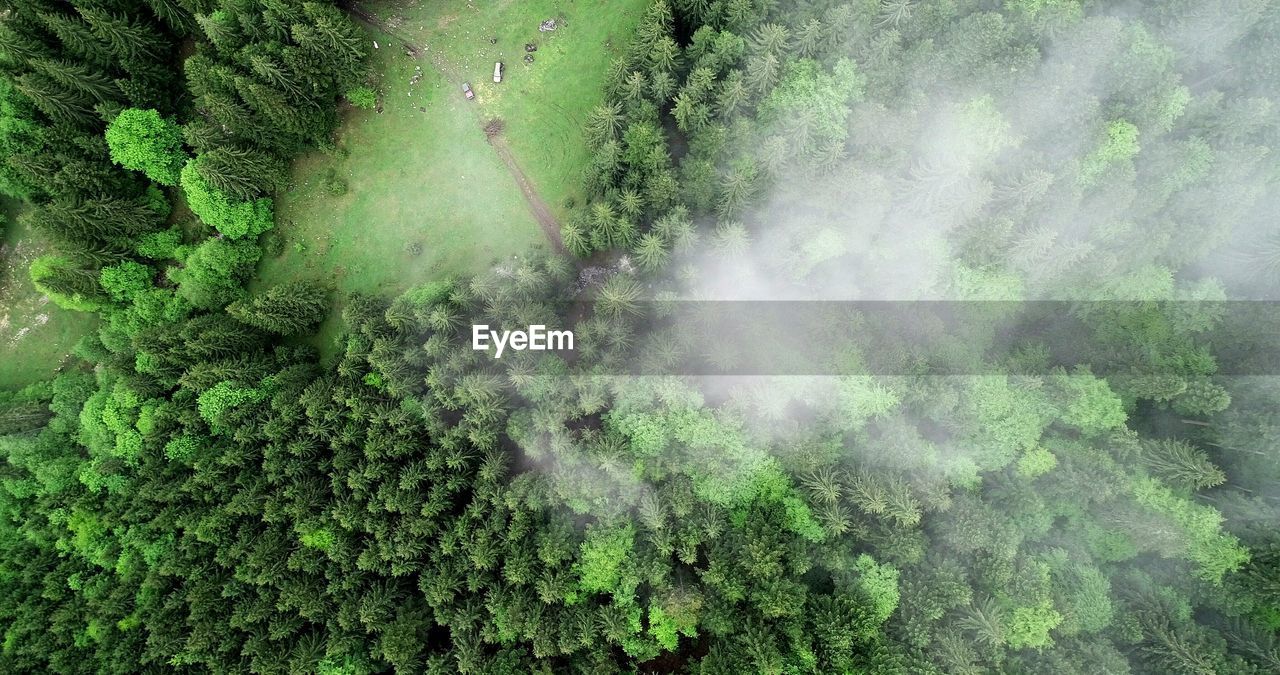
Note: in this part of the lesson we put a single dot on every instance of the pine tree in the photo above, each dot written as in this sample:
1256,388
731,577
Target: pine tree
763,72
633,88
297,124
19,40
731,239
95,220
810,38
99,85
69,282
651,252
60,103
275,74
244,174
77,37
986,621
287,309
733,94
340,37
1183,465
609,230
131,40
575,238
661,87
771,38
737,189
18,417
691,114
665,56
178,18
620,295
894,12
604,122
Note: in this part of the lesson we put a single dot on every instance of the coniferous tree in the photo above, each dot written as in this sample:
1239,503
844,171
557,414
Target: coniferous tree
286,309
242,174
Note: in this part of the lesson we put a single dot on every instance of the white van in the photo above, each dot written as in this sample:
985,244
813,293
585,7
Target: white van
497,72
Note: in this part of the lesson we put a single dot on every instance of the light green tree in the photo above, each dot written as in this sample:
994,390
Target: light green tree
144,141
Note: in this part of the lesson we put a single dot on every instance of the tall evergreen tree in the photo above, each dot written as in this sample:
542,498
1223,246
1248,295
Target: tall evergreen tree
287,309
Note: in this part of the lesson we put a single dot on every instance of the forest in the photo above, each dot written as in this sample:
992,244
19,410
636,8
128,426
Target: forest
913,487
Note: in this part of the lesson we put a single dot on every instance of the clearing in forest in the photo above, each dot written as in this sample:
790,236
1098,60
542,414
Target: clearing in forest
426,195
35,335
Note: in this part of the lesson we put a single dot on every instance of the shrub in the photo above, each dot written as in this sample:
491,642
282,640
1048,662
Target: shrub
363,97
157,201
333,184
272,244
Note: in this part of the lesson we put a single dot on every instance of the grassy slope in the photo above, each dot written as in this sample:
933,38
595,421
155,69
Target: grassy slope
30,356
429,177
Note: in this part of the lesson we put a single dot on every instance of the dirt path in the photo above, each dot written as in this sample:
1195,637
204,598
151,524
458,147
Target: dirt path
550,226
546,219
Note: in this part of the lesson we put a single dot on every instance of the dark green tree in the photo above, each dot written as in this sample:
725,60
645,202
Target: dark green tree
287,309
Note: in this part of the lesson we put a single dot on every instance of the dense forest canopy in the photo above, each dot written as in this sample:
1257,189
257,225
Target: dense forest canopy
199,491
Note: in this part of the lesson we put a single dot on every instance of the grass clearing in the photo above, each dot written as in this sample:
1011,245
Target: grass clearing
35,334
425,195
545,103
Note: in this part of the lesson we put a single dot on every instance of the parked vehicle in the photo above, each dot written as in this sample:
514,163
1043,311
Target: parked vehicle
466,91
497,72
